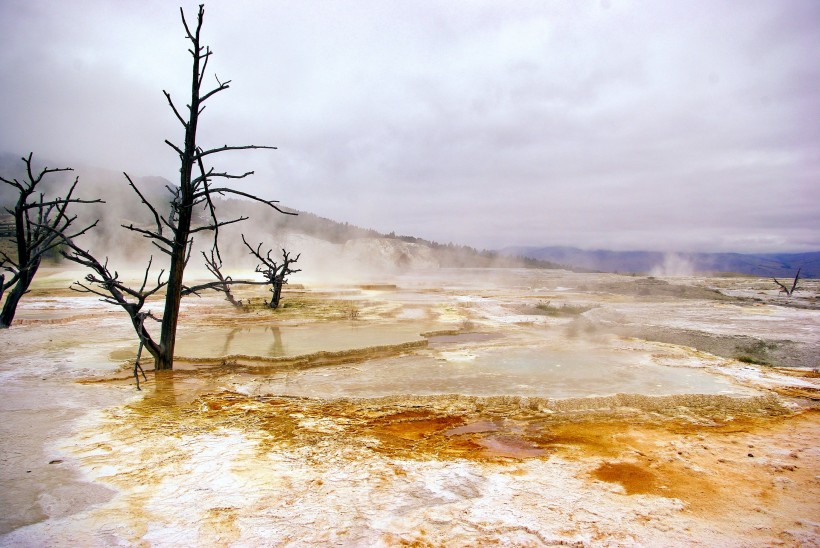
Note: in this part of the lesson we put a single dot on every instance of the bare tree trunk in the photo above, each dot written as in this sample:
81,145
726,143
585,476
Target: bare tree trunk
231,299
182,233
277,294
28,264
173,298
17,291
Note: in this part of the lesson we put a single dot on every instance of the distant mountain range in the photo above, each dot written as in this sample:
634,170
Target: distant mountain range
650,262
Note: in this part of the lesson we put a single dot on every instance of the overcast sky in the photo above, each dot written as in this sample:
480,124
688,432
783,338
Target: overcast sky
673,126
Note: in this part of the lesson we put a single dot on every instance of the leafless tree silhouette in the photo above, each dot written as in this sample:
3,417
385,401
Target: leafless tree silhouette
275,273
40,225
214,265
788,291
174,234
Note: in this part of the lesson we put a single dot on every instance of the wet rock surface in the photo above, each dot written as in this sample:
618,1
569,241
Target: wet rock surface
217,453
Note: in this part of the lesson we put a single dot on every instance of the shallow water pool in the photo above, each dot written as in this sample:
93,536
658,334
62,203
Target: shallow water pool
279,341
522,371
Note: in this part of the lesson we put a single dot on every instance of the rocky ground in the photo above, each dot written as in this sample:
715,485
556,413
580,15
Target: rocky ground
372,415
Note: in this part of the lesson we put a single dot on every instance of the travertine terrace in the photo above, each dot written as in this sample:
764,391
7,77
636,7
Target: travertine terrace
457,408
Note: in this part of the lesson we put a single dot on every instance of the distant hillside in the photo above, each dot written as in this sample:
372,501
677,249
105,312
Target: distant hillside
649,262
343,233
325,244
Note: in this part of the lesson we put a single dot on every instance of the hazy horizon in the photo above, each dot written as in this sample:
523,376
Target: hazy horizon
665,126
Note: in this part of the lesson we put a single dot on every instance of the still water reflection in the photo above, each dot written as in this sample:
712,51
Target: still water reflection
524,371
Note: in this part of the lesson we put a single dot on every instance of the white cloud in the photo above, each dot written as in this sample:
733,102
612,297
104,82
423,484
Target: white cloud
664,125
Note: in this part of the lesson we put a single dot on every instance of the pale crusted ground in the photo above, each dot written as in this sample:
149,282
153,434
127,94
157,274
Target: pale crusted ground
218,455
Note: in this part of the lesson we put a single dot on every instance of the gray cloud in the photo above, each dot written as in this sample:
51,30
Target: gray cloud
663,125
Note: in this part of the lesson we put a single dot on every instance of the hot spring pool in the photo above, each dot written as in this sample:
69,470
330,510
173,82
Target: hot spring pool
521,371
281,341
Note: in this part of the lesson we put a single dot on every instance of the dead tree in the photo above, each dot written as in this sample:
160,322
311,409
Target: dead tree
108,286
223,284
786,290
275,274
174,234
40,225
214,266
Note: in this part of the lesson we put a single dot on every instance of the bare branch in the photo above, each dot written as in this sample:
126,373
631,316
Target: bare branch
60,234
786,290
205,57
6,260
176,112
60,202
111,290
15,183
148,233
796,277
209,204
222,175
217,225
214,91
147,204
164,250
173,146
218,285
782,287
185,24
271,203
223,148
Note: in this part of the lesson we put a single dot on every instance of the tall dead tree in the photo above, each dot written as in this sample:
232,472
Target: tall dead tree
40,225
275,273
173,235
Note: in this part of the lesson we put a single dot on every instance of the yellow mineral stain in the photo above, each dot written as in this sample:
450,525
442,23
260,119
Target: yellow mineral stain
219,527
691,448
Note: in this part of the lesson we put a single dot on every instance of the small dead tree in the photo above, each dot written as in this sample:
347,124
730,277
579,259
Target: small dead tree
214,266
108,286
40,225
275,273
174,234
223,284
786,290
